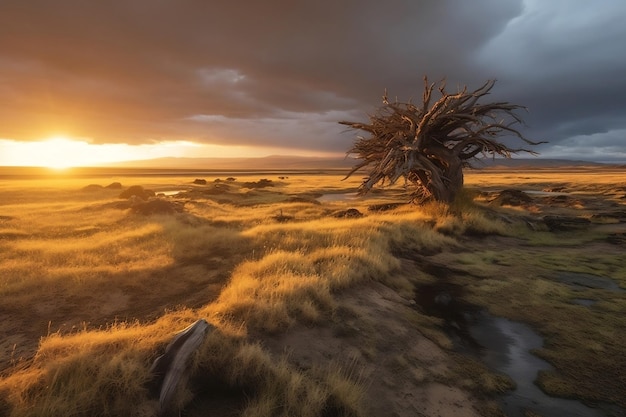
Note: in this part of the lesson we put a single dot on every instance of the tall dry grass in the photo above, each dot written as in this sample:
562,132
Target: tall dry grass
229,262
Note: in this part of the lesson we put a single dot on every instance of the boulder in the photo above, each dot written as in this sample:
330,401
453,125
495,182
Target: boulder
565,223
262,183
512,197
199,181
114,186
92,187
350,213
138,191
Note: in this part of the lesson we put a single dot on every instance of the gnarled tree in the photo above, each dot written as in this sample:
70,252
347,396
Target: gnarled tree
429,145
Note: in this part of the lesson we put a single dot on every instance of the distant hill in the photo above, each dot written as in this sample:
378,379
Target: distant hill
280,162
534,163
286,162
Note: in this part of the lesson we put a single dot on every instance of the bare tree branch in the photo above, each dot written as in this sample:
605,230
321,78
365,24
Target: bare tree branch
429,145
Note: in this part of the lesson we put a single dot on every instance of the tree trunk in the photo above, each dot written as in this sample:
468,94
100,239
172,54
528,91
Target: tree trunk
444,182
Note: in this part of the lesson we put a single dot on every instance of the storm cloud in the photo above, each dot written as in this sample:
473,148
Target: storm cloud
282,73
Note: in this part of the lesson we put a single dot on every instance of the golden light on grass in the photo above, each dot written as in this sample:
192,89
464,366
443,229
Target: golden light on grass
106,289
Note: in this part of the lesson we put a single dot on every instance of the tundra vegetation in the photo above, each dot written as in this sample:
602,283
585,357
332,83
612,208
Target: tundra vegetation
313,308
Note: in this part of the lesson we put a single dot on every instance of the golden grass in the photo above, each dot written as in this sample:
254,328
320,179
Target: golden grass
69,256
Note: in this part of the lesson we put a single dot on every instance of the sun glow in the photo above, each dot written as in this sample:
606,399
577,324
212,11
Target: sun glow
57,152
60,152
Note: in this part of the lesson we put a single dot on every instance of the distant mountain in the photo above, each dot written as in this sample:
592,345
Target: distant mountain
286,162
534,163
279,162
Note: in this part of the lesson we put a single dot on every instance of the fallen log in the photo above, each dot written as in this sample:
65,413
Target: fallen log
170,368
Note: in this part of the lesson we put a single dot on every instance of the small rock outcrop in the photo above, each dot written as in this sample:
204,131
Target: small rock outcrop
565,223
138,191
199,181
512,197
262,183
384,206
92,187
350,213
114,186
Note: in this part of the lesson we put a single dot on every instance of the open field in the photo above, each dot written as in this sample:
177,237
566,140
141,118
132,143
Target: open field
319,310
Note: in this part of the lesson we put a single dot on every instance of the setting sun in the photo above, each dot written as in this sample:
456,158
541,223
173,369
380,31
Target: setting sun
58,153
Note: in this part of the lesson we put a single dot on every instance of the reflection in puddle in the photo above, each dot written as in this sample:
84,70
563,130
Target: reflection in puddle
337,197
545,193
170,192
503,345
579,281
506,347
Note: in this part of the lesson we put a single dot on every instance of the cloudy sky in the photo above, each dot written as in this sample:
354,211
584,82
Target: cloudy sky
225,78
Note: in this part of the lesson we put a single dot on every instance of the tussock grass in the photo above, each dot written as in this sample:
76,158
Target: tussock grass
68,256
270,276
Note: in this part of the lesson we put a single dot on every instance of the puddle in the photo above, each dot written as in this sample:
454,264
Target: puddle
506,347
168,193
545,193
503,345
580,282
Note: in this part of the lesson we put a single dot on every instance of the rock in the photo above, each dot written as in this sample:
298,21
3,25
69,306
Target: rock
114,186
512,197
199,181
384,207
231,179
137,190
351,213
565,223
92,187
262,183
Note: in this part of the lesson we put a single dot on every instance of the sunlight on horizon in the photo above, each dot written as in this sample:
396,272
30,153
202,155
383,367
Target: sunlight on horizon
60,152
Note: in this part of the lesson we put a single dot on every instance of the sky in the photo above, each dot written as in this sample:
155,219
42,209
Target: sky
135,79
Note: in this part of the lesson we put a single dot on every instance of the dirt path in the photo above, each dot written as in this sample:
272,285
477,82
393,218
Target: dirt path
403,372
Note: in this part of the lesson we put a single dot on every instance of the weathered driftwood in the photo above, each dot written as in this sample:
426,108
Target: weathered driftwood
170,368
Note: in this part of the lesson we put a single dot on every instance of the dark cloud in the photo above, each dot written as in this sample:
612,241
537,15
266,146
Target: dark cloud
282,73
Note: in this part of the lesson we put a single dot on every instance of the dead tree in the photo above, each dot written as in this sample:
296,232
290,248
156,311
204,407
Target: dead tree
429,145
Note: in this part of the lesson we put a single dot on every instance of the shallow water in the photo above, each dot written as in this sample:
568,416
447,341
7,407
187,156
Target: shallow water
545,193
580,281
170,192
506,348
503,345
338,197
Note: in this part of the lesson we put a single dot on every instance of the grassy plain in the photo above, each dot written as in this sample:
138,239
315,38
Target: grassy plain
314,308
